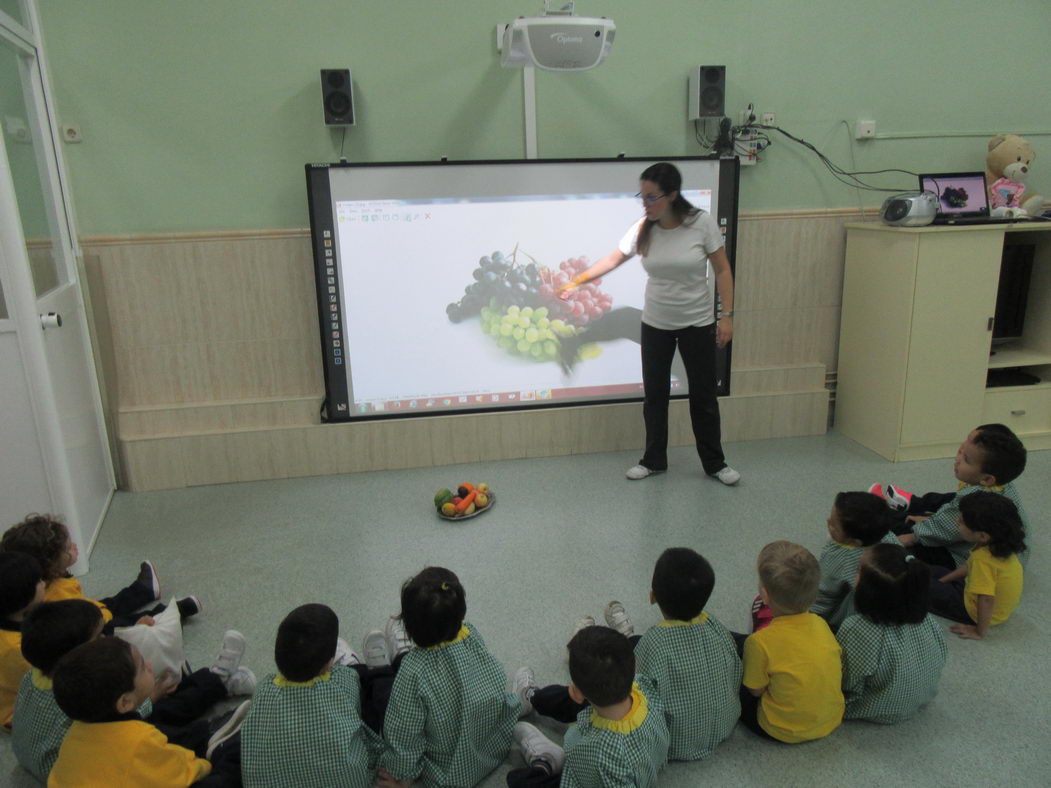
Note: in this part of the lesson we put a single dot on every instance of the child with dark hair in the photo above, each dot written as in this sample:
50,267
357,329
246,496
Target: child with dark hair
985,591
621,737
690,656
449,718
858,520
988,460
893,650
46,538
53,629
100,685
21,589
304,727
790,690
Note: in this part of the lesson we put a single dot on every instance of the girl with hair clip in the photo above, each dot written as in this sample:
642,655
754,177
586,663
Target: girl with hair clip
893,649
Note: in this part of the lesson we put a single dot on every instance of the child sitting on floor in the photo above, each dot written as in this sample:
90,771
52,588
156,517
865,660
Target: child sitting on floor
985,591
858,520
690,656
893,650
449,718
21,589
792,672
53,629
621,737
989,460
304,727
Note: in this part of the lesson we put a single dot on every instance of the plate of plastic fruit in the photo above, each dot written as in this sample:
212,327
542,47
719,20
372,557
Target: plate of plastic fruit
464,502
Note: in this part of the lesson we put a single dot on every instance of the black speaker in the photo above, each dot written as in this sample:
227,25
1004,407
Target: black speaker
711,91
337,97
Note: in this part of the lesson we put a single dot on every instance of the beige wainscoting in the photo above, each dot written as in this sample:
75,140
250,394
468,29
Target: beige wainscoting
209,351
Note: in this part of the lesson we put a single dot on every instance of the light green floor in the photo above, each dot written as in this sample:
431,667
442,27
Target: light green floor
567,535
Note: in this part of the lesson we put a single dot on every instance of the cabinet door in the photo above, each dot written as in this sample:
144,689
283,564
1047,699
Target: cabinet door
956,279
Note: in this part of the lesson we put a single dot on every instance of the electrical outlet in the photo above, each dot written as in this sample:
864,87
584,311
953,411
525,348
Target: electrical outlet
17,128
864,129
769,118
71,133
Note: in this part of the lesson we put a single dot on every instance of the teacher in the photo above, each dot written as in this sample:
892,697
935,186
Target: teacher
676,241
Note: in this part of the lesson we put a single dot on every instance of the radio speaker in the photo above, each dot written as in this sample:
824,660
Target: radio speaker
337,97
707,92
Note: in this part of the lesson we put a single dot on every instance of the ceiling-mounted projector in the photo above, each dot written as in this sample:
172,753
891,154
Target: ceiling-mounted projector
557,41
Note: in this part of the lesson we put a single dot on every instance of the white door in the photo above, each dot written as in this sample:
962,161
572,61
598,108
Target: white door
55,453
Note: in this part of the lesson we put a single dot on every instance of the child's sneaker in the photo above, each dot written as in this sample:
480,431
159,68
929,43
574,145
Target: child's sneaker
876,489
230,654
538,750
896,498
231,725
241,682
345,655
398,640
762,615
375,648
523,684
149,579
189,606
582,623
617,618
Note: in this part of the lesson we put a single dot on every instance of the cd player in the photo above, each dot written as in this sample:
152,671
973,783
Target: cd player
913,209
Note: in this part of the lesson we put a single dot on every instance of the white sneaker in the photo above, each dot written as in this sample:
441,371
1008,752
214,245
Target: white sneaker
228,728
617,618
640,472
345,655
398,640
230,653
582,622
522,684
537,749
375,648
241,682
727,476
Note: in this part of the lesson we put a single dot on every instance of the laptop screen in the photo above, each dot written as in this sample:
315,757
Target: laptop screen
959,193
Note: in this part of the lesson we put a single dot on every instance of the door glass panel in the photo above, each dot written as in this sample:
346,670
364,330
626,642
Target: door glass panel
3,303
23,152
13,8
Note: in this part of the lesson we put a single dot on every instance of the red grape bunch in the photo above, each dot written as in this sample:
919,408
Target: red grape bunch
583,304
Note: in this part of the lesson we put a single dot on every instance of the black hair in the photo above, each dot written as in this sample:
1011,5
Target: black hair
43,536
892,586
433,606
1003,454
993,514
863,516
667,176
601,665
53,629
682,582
91,678
19,576
306,641
1003,429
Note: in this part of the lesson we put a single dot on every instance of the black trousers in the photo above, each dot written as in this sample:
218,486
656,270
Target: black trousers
946,599
180,716
697,348
376,684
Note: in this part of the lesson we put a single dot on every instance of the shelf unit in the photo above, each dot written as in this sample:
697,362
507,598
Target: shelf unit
916,338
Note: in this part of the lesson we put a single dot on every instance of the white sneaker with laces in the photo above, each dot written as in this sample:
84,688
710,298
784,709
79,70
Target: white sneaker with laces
241,682
230,653
375,649
398,640
640,472
537,749
617,618
523,683
727,476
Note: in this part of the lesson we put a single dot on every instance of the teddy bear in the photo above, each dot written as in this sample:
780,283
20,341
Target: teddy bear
1006,168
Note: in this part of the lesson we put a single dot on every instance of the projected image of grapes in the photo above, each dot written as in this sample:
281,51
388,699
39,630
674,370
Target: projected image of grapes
516,299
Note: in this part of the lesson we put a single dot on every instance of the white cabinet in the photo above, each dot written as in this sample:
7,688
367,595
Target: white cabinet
916,337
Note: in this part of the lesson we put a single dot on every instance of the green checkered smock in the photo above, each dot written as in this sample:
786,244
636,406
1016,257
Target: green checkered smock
631,751
306,734
839,570
940,530
450,716
889,672
39,725
695,668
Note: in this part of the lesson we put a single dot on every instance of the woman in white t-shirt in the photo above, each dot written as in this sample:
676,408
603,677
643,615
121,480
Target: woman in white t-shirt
676,242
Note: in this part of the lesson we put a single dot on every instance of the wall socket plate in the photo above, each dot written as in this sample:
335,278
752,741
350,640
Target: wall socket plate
769,118
71,133
17,128
864,129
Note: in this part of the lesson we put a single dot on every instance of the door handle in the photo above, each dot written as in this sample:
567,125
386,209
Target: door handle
51,320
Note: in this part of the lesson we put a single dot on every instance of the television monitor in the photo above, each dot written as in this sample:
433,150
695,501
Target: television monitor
435,279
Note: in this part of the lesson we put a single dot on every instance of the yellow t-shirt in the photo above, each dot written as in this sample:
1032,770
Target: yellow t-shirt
12,668
797,660
124,754
1000,578
70,588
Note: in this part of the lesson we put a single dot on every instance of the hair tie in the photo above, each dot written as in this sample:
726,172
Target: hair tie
910,557
444,586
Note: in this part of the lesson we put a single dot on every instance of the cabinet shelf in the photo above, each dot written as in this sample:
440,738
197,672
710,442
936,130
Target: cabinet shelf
1018,356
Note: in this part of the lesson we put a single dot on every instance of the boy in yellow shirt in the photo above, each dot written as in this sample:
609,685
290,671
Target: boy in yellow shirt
791,689
21,589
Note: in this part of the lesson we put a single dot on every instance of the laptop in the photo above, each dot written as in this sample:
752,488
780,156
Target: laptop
962,198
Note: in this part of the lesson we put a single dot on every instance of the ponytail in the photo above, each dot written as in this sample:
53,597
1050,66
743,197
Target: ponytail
893,587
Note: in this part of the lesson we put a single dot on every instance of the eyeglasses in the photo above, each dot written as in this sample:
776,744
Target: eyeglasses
649,199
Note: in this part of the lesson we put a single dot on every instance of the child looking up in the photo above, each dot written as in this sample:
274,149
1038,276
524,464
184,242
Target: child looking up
21,588
985,591
304,727
857,521
893,650
792,671
449,718
620,738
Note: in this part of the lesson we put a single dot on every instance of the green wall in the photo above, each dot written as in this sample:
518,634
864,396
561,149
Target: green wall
199,115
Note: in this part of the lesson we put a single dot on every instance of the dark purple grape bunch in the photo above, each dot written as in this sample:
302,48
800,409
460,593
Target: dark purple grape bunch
498,281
